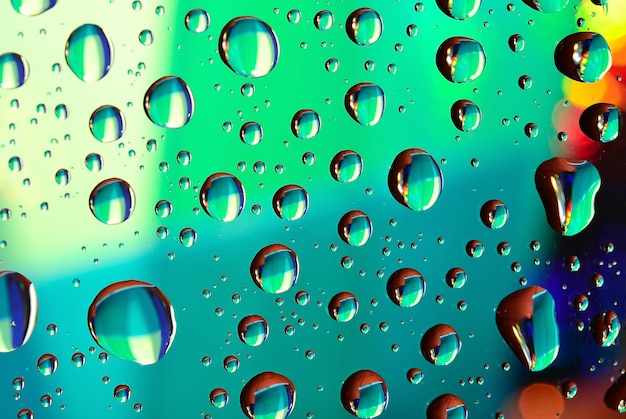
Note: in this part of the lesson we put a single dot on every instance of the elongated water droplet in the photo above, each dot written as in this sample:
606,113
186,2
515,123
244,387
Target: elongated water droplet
365,103
466,116
133,320
268,395
251,133
527,322
615,396
122,393
306,123
601,122
222,196
253,330
107,124
249,47
18,310
364,26
406,287
47,364
218,397
89,53
32,7
447,406
605,328
343,307
440,345
197,21
583,56
346,166
547,6
415,179
364,394
460,59
62,177
459,9
355,228
291,202
112,201
494,214
15,164
14,70
568,189
169,102
275,268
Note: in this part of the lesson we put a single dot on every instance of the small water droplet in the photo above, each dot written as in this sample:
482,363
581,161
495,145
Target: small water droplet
222,197
460,59
275,268
188,236
218,397
364,26
447,406
47,364
112,201
107,124
415,375
169,102
459,9
456,278
197,21
306,124
494,214
364,394
365,103
121,393
346,166
324,20
251,133
406,287
605,328
355,228
440,345
517,42
253,330
466,116
291,202
415,179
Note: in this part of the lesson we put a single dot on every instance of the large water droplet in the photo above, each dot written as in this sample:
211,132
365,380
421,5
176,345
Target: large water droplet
89,53
169,102
547,6
415,179
13,70
406,287
447,406
343,307
346,166
324,20
32,7
47,364
605,328
18,310
615,396
365,103
527,322
466,116
112,201
268,396
253,330
364,394
197,21
601,122
440,344
218,397
222,196
459,9
251,133
567,189
133,320
122,393
355,228
249,46
494,214
364,26
275,268
188,236
583,56
460,59
306,123
291,202
107,124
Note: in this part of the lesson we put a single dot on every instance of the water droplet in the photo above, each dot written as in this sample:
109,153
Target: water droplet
222,196
527,322
112,201
447,406
569,389
355,228
456,278
605,328
324,20
415,179
251,133
18,383
133,320
197,21
294,16
107,124
459,9
169,102
14,70
25,414
583,56
45,400
47,364
581,302
253,330
343,307
268,395
18,310
146,37
406,287
163,208
601,122
415,375
249,47
218,397
32,7
15,164
364,26
494,214
365,103
305,124
188,236
89,53
78,359
121,393
460,59
552,6
568,189
466,116
275,268
291,202
440,344
364,394
615,396
346,166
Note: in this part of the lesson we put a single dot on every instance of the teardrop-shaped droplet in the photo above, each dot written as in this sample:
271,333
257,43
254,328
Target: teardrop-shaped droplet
466,116
89,53
365,103
47,364
364,394
605,328
547,6
169,102
112,201
364,26
268,395
249,47
440,345
583,56
447,406
197,21
291,202
222,196
306,123
527,322
133,320
494,214
14,70
459,9
346,166
343,307
62,177
251,133
615,396
406,287
107,124
275,268
32,7
355,228
460,59
253,330
601,122
415,179
18,310
122,393
568,189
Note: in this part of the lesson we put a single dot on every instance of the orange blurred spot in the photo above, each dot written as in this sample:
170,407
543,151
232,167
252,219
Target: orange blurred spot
585,94
541,401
